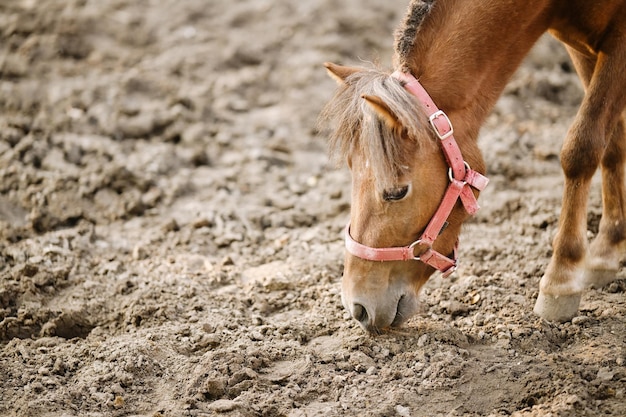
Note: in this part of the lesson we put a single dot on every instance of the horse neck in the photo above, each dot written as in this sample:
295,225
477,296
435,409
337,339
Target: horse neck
467,50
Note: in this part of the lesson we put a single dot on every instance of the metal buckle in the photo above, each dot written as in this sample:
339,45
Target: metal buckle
413,245
436,115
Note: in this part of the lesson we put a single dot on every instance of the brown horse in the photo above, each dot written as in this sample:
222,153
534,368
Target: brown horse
414,177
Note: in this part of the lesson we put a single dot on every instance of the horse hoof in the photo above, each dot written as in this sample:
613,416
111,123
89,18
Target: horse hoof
558,308
598,278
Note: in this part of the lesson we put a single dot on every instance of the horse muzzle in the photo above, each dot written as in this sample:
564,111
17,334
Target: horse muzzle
379,310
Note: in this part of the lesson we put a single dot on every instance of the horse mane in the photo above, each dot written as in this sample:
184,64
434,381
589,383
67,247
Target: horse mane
406,34
357,126
359,129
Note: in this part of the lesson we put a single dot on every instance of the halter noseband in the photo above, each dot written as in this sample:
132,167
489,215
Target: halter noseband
461,176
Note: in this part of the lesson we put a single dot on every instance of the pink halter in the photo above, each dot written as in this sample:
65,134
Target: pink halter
461,178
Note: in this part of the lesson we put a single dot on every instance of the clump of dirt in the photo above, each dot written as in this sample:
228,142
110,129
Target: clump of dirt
170,227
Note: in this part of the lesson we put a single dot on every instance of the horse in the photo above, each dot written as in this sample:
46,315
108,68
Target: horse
410,141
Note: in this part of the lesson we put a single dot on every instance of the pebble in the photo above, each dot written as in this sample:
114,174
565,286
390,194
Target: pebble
116,389
223,406
139,253
605,374
58,367
455,308
479,319
403,411
256,336
339,380
422,341
118,402
361,361
137,126
49,381
271,276
37,387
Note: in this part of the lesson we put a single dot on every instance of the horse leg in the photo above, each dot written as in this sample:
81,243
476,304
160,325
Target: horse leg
596,137
606,250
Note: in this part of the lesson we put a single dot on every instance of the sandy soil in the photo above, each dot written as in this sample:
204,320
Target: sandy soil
170,227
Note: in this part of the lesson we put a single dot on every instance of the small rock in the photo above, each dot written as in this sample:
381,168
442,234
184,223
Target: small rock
59,367
214,387
135,127
244,374
506,335
272,276
202,222
403,411
37,387
116,389
344,366
371,370
209,327
227,261
479,319
171,226
455,308
118,402
256,336
605,374
139,253
361,361
339,380
49,382
223,406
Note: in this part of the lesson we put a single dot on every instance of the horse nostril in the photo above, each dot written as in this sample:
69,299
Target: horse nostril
360,313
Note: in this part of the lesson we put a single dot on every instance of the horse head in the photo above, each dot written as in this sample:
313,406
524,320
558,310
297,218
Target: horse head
399,179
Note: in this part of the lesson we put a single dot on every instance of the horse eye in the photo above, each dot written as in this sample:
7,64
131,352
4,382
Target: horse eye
396,193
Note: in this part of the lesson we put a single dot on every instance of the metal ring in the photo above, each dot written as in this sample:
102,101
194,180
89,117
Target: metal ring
413,245
451,177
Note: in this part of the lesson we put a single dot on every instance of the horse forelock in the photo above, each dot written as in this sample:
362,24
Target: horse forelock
358,129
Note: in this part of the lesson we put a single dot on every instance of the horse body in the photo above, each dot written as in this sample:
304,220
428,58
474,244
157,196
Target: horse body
463,52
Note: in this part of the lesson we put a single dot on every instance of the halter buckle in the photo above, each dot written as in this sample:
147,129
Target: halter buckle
437,115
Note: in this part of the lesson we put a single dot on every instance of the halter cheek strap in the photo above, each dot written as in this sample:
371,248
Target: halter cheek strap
461,177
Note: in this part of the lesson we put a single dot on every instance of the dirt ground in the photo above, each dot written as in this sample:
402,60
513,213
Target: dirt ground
170,227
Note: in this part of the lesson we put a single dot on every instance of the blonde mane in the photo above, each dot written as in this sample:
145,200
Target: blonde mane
357,127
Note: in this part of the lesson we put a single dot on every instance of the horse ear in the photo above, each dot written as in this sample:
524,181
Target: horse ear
382,110
339,72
